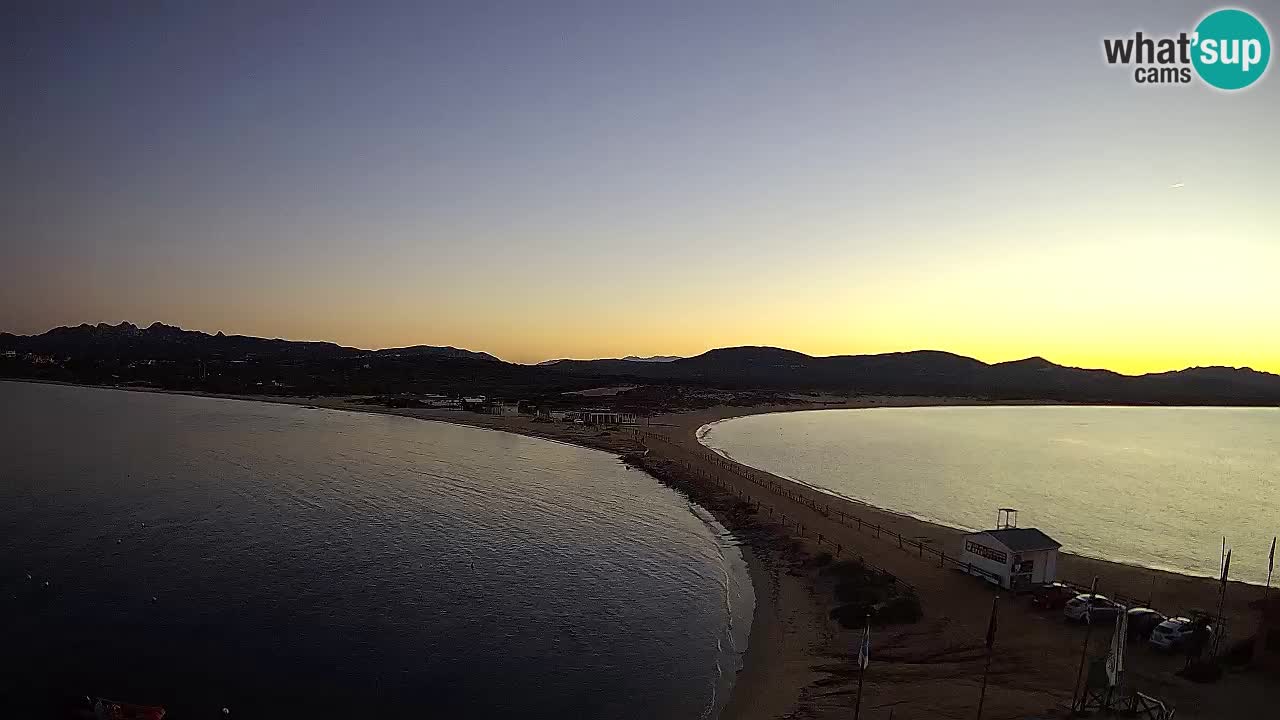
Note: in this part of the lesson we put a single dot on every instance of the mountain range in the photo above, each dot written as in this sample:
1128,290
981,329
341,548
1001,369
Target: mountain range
629,358
167,342
329,367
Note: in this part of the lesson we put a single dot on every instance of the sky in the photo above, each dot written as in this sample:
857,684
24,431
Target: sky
598,179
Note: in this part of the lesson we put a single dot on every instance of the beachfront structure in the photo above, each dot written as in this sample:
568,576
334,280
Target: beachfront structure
1014,558
606,417
499,407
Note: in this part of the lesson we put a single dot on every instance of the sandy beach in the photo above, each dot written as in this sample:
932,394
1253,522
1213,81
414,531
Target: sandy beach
932,669
800,664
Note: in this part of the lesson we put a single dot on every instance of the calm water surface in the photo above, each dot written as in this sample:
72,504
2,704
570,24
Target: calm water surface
272,559
1153,486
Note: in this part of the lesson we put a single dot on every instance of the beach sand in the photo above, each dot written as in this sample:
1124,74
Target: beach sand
800,664
933,669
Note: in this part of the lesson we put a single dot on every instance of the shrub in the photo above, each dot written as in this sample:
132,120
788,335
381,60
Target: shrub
859,592
900,609
853,615
846,569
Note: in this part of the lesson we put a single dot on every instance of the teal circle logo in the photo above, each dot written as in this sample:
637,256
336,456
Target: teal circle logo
1231,49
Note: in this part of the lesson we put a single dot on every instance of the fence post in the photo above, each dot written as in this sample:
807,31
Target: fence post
899,541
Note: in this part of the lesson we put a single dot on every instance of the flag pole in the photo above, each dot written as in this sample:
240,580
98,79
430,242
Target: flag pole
1260,642
1271,564
1084,651
1221,606
864,652
857,709
991,642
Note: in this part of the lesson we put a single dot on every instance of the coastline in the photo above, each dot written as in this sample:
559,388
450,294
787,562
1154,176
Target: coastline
797,661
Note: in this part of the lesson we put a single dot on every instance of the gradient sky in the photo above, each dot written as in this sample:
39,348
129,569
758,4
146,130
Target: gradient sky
598,179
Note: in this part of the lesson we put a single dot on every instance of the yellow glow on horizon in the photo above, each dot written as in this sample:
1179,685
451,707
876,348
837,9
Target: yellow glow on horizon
1137,282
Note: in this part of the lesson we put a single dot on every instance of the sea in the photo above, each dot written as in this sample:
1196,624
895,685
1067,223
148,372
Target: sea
282,561
1159,487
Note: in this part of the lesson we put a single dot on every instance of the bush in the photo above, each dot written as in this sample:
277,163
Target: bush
899,610
853,615
846,570
859,592
823,559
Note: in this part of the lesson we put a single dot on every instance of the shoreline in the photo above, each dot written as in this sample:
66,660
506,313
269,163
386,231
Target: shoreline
700,432
797,660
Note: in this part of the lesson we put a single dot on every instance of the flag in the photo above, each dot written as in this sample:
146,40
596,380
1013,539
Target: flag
991,626
1226,567
864,650
1119,638
1271,561
1088,607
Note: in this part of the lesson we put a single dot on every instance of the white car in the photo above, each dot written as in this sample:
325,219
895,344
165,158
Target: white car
1091,609
1176,632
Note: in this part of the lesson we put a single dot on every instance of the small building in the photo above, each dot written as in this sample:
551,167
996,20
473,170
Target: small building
607,417
434,400
1014,558
500,407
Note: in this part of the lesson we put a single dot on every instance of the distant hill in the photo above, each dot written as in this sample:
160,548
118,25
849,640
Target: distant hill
158,341
447,351
629,358
653,358
172,357
929,372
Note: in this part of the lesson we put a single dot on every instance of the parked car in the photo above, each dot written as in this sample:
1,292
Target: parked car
1052,596
1091,609
1176,632
1142,621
